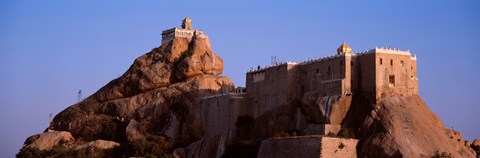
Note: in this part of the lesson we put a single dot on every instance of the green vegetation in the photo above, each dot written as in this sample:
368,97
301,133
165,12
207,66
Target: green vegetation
343,133
441,155
30,152
152,147
341,145
156,146
184,55
294,133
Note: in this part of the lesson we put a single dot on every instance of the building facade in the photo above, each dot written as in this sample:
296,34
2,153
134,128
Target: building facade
374,74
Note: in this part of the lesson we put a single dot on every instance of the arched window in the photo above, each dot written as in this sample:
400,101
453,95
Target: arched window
391,61
401,63
381,61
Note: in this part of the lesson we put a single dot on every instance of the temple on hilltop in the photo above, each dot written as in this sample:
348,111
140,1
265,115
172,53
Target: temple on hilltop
186,31
318,91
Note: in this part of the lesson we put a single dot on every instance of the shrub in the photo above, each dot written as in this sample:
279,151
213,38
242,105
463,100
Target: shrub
441,155
30,153
343,133
331,134
155,146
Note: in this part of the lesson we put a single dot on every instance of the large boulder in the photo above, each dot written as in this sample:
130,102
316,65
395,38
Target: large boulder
98,144
47,140
405,127
200,59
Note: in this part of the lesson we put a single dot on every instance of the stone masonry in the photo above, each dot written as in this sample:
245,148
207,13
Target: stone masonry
308,147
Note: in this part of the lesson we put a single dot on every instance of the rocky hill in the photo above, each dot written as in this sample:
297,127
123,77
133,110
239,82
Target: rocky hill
154,110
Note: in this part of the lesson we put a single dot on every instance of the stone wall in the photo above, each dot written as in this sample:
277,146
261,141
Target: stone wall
364,75
270,88
222,111
396,73
326,76
308,147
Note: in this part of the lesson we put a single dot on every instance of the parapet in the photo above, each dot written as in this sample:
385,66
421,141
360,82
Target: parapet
170,34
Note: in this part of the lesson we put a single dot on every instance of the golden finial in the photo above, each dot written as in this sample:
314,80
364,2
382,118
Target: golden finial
344,48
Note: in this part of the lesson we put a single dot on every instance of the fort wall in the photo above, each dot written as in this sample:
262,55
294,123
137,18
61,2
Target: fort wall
364,72
326,76
271,87
308,147
222,111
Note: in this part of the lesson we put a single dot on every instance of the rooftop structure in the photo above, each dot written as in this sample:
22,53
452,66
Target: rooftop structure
185,32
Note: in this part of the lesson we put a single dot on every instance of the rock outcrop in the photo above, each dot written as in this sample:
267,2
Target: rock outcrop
158,96
47,140
99,144
403,127
327,109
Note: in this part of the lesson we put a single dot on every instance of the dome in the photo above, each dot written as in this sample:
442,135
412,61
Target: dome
344,48
187,23
187,20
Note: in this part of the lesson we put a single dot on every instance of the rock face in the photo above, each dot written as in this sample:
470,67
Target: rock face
403,127
325,110
99,144
159,95
47,140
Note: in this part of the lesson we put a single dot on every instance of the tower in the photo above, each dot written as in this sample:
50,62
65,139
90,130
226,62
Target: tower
344,48
79,96
187,23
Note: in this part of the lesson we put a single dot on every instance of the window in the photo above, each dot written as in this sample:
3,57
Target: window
401,63
318,71
391,61
341,63
351,63
381,61
391,81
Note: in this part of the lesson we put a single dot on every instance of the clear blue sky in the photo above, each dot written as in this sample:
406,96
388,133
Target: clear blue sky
50,49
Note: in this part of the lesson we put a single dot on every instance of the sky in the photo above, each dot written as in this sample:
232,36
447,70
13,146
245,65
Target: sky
51,49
